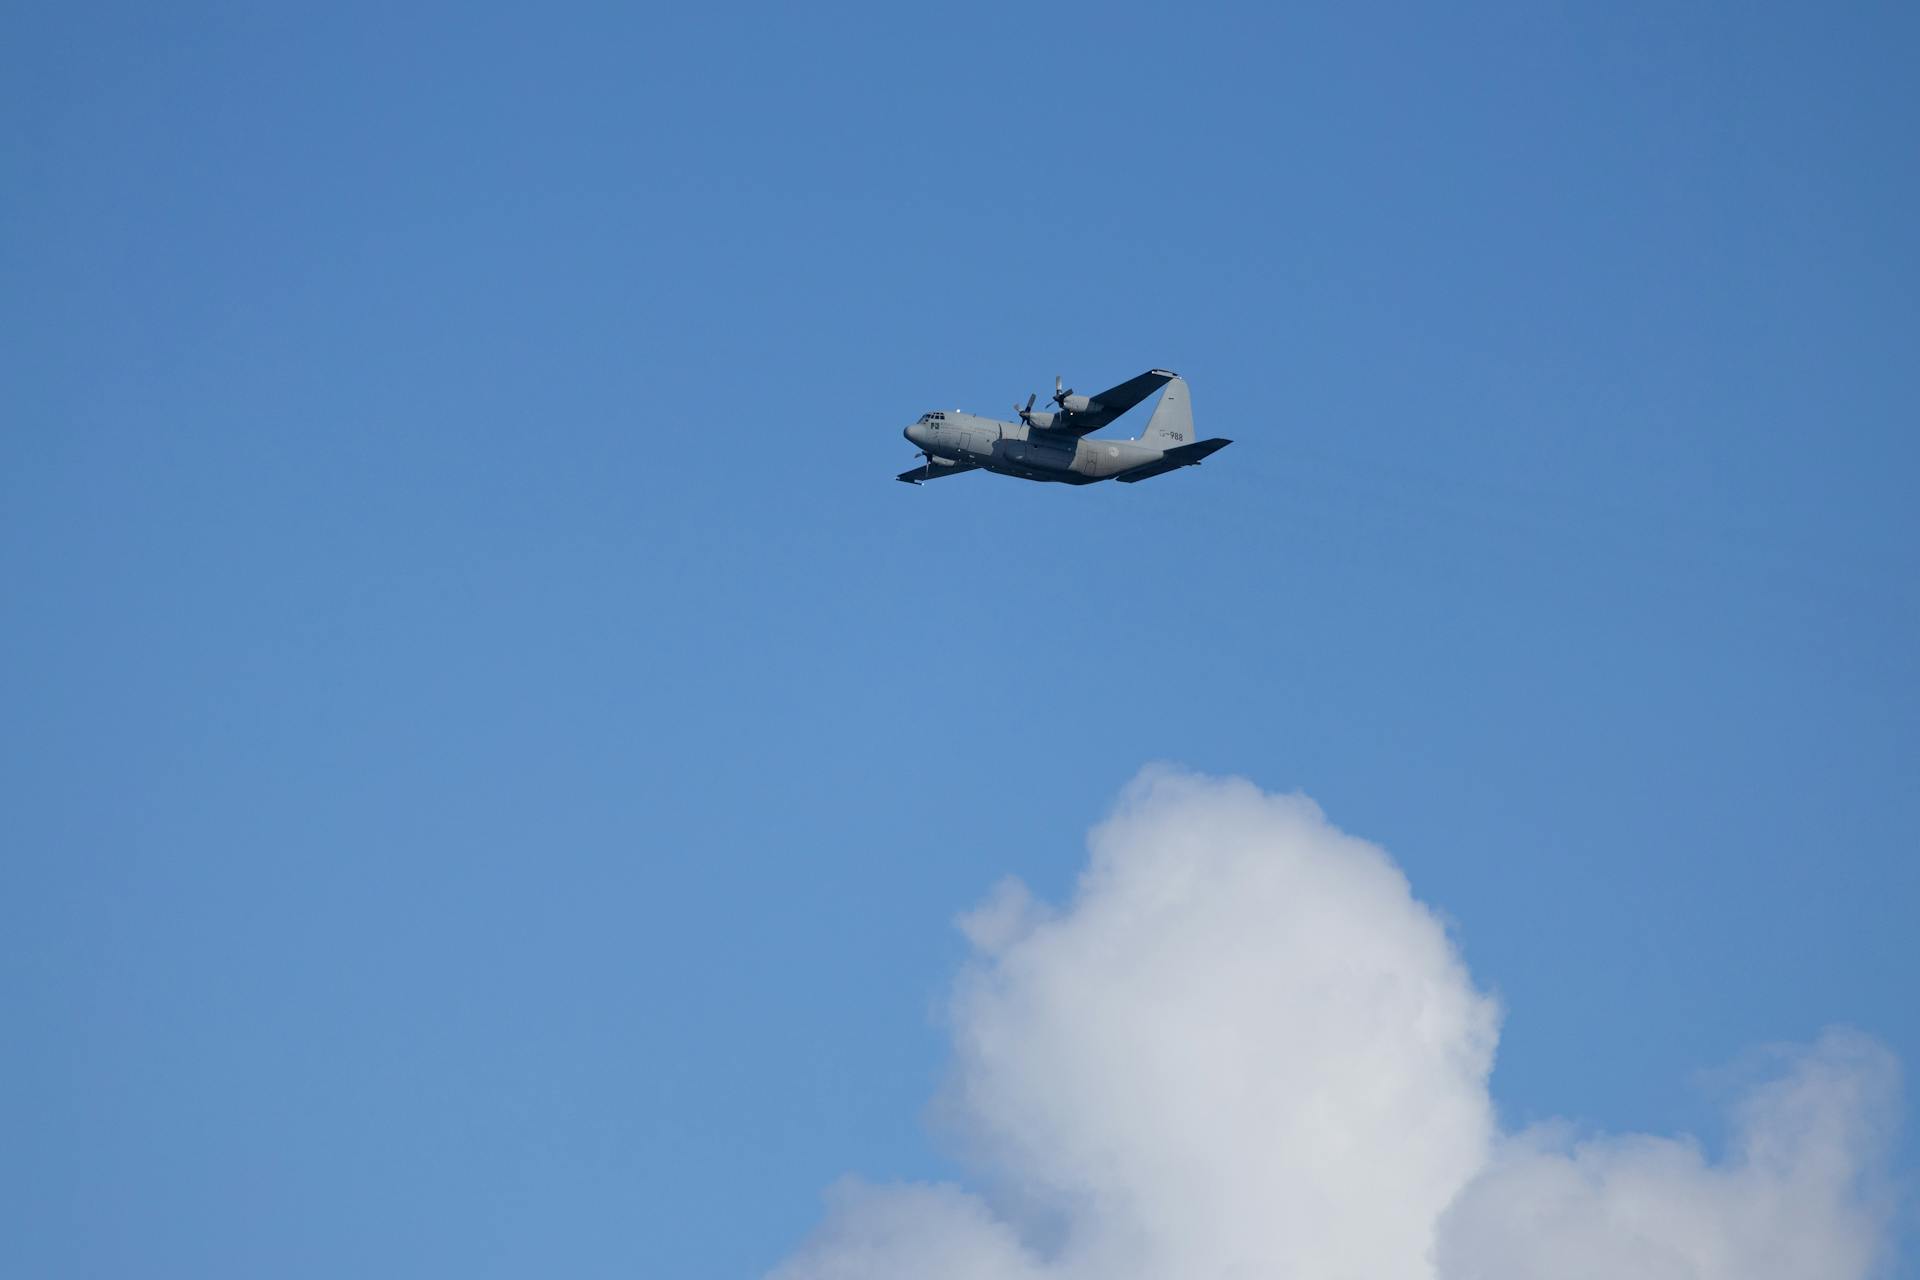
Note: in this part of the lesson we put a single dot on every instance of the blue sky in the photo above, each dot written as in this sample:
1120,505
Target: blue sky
490,758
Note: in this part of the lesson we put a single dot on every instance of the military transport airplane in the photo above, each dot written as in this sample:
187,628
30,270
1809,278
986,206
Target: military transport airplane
1050,446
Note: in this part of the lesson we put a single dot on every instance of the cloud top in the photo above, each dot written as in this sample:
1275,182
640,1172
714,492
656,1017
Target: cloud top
1245,1049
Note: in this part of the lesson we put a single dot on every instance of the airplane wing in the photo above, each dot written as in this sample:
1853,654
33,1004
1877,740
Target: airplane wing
1115,401
939,469
1187,455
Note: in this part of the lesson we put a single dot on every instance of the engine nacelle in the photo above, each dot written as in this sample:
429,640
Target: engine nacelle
1040,420
1075,404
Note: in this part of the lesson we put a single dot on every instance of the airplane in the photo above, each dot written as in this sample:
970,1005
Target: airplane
1052,445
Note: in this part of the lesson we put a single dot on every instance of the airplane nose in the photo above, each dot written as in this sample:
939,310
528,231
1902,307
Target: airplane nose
912,433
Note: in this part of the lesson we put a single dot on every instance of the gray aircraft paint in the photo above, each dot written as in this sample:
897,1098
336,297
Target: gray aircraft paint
1054,448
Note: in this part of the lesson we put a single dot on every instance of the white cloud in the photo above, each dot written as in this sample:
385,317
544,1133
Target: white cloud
1245,1049
1797,1196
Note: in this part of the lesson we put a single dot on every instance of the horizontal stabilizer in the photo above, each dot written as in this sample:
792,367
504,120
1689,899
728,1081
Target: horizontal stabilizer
1186,455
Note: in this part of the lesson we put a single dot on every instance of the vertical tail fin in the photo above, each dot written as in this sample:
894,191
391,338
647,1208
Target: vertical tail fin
1172,423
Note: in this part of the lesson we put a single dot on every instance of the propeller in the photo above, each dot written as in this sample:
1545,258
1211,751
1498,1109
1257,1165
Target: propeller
1060,393
1026,414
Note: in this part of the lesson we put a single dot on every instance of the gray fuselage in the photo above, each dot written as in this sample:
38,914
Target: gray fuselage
1031,453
